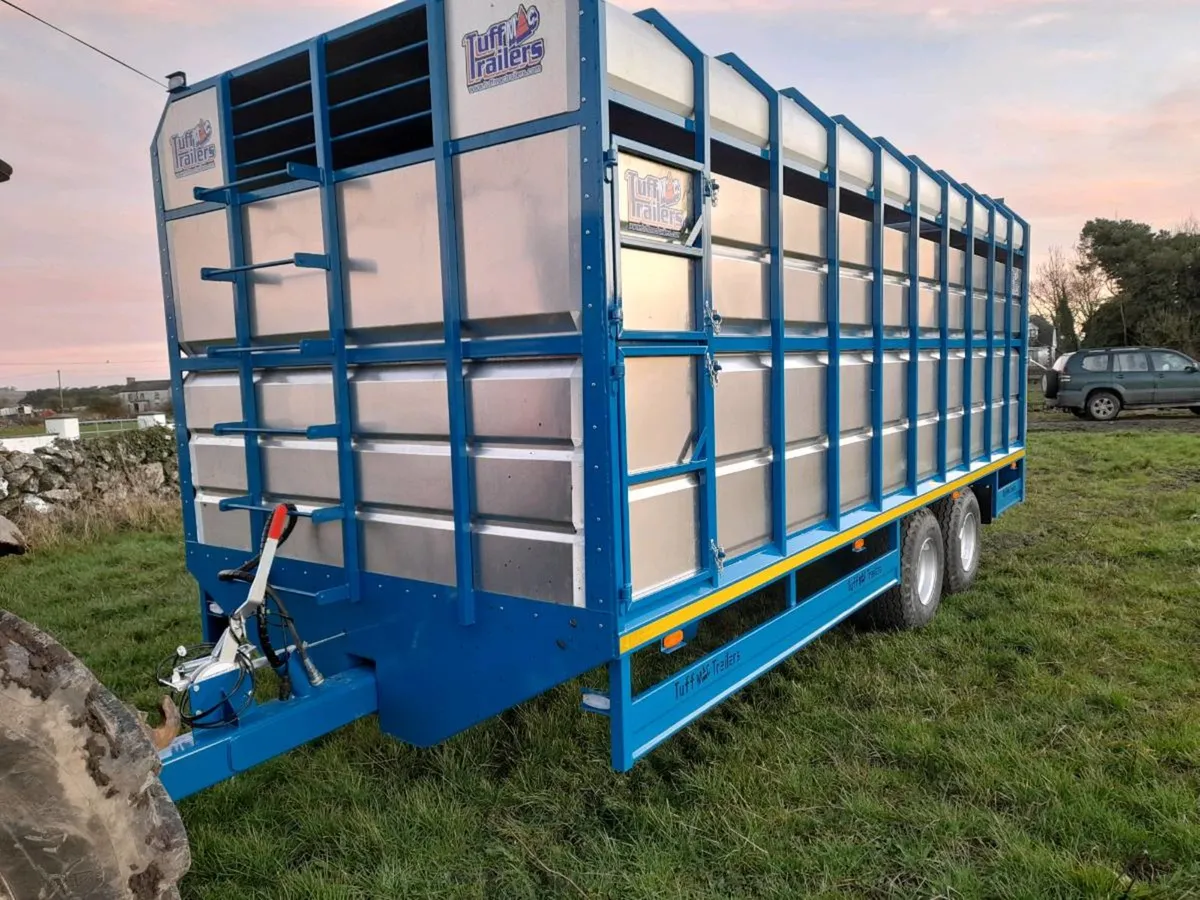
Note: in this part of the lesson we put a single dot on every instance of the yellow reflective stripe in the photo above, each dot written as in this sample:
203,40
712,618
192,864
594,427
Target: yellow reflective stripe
720,597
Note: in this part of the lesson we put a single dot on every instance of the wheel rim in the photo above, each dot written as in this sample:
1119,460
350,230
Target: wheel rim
968,541
927,572
1103,407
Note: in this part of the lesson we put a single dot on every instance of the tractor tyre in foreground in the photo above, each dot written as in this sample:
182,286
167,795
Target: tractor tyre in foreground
962,528
914,601
82,811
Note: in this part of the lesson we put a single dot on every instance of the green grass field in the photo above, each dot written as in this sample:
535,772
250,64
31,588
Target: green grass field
1040,740
15,431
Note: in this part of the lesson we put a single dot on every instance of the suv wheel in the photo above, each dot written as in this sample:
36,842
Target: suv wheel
1104,406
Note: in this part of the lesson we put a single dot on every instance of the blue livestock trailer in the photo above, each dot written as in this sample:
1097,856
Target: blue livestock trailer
559,336
509,342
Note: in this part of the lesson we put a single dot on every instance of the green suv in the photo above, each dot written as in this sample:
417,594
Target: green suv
1098,384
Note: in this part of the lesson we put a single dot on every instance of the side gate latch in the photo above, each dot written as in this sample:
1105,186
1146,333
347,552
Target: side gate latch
718,553
610,163
714,369
711,189
616,318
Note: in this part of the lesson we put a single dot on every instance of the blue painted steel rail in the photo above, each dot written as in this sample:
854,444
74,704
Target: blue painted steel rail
211,756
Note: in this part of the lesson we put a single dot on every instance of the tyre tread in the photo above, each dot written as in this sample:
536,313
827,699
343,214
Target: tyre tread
897,608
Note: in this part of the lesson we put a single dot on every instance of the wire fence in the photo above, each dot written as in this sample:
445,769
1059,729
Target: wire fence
98,427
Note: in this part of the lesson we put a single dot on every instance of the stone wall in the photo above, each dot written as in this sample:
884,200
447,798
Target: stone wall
68,472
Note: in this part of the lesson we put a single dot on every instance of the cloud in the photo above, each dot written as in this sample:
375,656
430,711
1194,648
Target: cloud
1081,55
1041,20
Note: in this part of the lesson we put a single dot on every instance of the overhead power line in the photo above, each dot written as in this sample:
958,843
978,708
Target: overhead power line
5,363
78,40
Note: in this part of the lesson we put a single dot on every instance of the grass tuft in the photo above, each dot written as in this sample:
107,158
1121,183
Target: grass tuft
64,527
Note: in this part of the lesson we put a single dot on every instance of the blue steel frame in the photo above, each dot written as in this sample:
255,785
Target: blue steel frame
968,312
943,279
458,638
878,207
833,304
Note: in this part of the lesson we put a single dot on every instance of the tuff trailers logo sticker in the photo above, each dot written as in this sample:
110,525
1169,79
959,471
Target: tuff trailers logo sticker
506,51
654,204
193,150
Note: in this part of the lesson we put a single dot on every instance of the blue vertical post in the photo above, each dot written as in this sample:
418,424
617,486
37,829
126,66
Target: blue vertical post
335,287
877,249
775,293
969,332
1022,410
701,208
605,496
833,315
242,321
914,331
943,278
968,314
187,494
944,322
464,565
912,399
1008,344
989,375
620,696
710,530
878,245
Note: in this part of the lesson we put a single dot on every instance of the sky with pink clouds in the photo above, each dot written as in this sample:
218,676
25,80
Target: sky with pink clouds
1067,108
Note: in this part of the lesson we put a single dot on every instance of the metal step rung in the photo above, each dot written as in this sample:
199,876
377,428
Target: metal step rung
318,516
304,348
653,246
293,170
311,433
299,260
330,595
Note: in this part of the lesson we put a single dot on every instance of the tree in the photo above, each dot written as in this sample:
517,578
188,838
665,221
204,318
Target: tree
108,407
1154,282
1067,293
1045,331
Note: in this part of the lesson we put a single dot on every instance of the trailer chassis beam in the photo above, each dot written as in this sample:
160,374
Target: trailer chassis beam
204,757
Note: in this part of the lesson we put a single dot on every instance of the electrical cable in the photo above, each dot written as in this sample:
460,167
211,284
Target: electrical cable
78,40
245,573
193,719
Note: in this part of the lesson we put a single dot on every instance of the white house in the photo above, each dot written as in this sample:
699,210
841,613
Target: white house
145,396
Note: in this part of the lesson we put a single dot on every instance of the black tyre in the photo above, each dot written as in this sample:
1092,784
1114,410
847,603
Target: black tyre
1080,414
961,525
1104,406
83,815
1050,384
914,601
